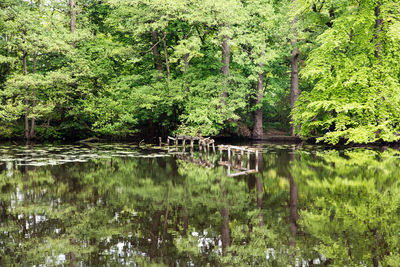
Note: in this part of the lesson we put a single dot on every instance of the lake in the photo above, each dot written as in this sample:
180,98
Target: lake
112,204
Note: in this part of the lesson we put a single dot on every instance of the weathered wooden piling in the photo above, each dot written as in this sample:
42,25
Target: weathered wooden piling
241,158
257,160
248,159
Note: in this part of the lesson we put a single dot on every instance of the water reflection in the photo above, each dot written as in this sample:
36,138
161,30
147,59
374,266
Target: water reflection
116,204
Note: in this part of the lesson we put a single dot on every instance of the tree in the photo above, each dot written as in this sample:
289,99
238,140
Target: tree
294,64
353,75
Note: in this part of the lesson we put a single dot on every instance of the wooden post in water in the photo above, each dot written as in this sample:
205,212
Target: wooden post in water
248,159
257,160
213,160
241,158
168,141
229,153
160,141
208,150
191,143
213,146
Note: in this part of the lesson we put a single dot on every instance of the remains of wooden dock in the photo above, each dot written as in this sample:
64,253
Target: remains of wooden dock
237,155
236,159
203,143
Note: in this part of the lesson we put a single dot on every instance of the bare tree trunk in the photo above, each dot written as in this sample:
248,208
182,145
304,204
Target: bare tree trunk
258,114
226,55
72,25
27,135
156,54
294,79
166,57
32,132
378,27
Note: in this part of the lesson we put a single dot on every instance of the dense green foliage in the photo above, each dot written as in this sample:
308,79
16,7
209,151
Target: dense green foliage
157,68
354,71
150,66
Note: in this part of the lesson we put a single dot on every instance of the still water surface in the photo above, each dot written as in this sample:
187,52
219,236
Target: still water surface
117,204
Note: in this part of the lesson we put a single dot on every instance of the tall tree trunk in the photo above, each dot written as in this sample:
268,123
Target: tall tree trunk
156,54
72,25
32,132
226,56
27,134
294,62
166,57
158,65
258,116
378,28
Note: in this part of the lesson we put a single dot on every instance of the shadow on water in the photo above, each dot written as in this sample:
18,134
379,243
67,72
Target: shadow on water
269,205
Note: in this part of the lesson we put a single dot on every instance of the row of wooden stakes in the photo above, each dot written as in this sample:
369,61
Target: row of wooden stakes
236,154
203,143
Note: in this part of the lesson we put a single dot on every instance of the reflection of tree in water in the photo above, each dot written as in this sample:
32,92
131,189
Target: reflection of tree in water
338,208
355,196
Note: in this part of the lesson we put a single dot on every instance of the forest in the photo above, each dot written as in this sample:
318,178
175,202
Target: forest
322,69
